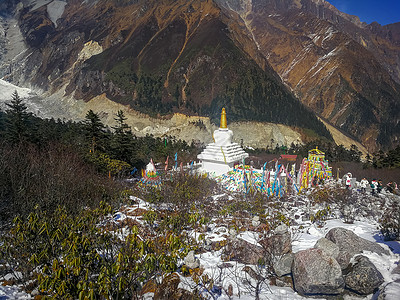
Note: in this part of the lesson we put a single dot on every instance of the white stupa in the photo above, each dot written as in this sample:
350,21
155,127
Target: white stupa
219,157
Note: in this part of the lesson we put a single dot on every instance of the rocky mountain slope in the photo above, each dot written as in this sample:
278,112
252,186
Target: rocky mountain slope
345,70
196,56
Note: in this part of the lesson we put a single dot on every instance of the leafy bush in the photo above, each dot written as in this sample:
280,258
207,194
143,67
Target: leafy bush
71,257
105,164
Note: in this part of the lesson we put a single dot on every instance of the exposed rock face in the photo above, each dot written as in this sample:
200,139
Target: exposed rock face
397,269
315,272
241,251
350,244
283,265
278,244
328,246
363,278
191,56
337,65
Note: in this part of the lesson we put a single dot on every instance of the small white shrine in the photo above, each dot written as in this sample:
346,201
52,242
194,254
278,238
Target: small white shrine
219,157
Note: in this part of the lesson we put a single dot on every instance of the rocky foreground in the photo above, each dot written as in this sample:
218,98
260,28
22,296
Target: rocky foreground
326,243
325,250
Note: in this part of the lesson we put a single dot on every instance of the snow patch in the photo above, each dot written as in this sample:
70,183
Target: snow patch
12,292
38,3
7,89
55,10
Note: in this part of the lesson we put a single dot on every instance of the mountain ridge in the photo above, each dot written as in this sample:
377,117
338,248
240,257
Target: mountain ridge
194,56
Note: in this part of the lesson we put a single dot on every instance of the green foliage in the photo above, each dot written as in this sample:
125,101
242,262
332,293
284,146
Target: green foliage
122,141
94,130
259,97
321,215
185,190
74,257
390,159
185,194
17,120
122,75
149,91
107,165
322,195
333,152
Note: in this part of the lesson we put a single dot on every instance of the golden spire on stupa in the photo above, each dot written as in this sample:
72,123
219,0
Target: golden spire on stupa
223,123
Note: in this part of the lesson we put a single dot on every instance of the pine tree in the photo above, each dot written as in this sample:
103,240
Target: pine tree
16,120
94,130
121,127
123,139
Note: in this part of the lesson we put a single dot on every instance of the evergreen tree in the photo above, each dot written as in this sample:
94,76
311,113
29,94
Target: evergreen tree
123,139
94,130
17,117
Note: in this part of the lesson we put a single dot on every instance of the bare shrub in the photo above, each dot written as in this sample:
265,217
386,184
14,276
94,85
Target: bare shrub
46,178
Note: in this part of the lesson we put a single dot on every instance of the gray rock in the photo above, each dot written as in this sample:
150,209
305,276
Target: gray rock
350,244
277,245
241,251
281,229
222,230
285,281
315,272
363,278
328,246
255,221
283,265
191,261
396,270
207,244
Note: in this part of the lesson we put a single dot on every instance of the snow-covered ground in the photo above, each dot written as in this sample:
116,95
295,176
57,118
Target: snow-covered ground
7,89
304,236
231,274
304,240
55,9
12,292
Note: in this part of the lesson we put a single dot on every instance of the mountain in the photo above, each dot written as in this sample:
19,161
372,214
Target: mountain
347,71
280,61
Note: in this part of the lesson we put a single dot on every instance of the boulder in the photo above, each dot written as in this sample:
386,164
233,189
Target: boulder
278,244
363,277
328,246
396,270
350,244
168,290
255,221
191,261
315,272
241,251
281,229
283,265
168,287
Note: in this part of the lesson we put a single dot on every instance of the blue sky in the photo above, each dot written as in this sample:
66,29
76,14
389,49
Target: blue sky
382,11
